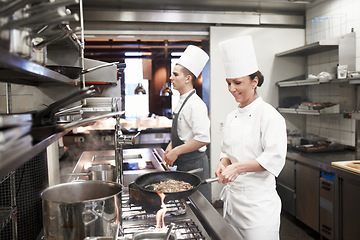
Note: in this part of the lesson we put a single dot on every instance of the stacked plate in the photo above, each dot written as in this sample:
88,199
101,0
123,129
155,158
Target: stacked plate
14,134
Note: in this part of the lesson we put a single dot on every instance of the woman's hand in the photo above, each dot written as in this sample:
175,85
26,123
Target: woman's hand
229,174
223,164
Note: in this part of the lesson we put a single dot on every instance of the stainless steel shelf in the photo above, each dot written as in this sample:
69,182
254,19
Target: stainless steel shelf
308,82
316,47
14,69
20,157
330,110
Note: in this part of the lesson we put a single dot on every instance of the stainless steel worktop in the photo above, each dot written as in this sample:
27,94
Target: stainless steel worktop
323,160
137,161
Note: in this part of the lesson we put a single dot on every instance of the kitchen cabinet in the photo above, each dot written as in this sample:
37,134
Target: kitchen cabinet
286,186
307,195
327,199
348,209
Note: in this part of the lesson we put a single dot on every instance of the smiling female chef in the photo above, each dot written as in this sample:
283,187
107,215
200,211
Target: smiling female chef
253,149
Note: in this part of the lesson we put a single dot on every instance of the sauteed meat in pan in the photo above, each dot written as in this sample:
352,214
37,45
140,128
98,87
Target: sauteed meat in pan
170,186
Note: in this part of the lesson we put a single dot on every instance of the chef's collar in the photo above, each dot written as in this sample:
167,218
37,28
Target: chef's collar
184,96
250,106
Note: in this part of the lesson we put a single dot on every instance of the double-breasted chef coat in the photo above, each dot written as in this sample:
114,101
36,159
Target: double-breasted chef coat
251,203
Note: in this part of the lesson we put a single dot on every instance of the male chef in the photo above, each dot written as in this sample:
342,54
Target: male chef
190,132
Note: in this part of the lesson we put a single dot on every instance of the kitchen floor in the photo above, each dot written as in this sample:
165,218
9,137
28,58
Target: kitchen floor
290,228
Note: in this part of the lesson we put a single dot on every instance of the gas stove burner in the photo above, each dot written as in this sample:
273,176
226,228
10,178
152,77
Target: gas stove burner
184,229
136,212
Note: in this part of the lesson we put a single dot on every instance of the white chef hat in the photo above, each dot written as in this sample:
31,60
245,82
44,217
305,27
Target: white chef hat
238,56
194,59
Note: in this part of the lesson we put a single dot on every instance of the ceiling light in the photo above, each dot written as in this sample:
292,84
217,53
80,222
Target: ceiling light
140,89
133,54
301,1
166,90
176,54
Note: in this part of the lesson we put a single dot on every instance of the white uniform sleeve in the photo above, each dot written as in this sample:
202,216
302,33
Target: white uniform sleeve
199,122
274,142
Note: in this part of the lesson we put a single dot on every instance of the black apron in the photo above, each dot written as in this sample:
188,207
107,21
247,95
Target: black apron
190,160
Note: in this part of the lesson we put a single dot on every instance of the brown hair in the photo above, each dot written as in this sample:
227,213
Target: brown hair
187,72
260,77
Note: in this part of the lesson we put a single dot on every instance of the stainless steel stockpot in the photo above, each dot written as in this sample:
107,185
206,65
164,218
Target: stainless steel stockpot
78,210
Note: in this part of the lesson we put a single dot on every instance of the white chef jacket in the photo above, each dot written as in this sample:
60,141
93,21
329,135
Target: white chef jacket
255,132
193,121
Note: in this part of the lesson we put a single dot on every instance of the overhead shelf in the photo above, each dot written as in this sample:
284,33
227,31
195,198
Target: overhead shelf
25,154
329,110
307,82
316,47
14,69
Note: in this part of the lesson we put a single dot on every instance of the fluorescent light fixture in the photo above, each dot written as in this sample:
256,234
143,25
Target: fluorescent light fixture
125,36
133,54
176,54
301,1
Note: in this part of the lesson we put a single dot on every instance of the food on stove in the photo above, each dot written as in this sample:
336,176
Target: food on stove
354,165
170,186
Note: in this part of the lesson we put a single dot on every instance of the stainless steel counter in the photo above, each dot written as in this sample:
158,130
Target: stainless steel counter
136,162
323,161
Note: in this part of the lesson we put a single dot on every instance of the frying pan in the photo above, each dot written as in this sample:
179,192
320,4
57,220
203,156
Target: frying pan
75,72
143,182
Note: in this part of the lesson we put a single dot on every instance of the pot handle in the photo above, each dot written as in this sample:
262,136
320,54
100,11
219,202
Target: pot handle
93,211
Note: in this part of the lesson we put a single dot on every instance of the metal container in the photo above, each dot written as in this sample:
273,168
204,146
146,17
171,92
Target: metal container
153,236
104,172
78,210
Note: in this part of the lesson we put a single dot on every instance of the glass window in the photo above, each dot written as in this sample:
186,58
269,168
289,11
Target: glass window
176,95
136,105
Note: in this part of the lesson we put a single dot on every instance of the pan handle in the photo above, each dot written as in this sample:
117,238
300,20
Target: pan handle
210,180
195,170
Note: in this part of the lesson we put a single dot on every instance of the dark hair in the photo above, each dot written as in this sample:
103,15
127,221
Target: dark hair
187,72
259,75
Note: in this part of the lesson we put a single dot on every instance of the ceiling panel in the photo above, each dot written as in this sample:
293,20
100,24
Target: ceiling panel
109,25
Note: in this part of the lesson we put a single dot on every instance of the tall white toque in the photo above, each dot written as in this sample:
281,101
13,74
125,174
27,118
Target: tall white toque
238,56
194,59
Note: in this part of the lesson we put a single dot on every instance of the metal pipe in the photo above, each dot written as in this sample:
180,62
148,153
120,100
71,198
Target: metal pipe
53,163
82,64
8,98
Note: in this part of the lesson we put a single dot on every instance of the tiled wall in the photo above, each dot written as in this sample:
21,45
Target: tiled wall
334,18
